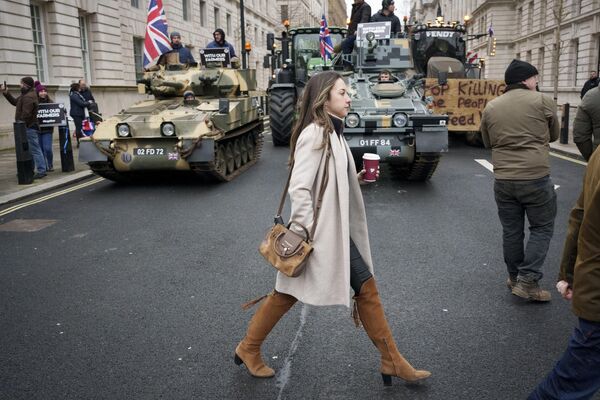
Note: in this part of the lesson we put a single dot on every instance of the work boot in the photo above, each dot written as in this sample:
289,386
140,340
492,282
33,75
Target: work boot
263,321
531,291
372,316
511,282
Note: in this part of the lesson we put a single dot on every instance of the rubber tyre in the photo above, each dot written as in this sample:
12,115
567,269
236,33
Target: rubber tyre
281,116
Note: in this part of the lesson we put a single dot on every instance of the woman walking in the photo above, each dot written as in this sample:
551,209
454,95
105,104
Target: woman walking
78,106
45,134
342,257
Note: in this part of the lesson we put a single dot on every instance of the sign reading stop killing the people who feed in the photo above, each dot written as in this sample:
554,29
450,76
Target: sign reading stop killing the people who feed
463,100
51,114
215,56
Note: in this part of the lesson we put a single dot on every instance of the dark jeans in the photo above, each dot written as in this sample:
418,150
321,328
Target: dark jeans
45,139
36,152
78,121
576,376
359,271
536,199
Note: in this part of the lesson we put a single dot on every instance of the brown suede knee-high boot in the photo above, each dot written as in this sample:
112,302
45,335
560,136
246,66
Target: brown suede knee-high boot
263,321
372,316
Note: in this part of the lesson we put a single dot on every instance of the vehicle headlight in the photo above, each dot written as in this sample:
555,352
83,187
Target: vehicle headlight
352,120
167,129
123,130
400,120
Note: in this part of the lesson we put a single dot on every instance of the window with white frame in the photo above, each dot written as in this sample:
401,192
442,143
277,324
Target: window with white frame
138,56
203,16
543,14
186,12
217,14
85,48
530,17
229,26
135,3
39,42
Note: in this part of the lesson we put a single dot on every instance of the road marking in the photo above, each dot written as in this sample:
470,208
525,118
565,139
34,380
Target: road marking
556,187
486,164
568,158
48,197
284,374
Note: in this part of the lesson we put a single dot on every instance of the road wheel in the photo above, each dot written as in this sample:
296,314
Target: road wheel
237,153
220,161
251,146
229,156
281,115
244,149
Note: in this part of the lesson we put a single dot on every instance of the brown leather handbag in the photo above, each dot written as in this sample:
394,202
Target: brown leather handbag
285,249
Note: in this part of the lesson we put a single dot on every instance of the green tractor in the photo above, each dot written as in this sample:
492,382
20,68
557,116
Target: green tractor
292,66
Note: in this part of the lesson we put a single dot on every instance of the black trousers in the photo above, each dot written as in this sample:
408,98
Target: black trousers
359,271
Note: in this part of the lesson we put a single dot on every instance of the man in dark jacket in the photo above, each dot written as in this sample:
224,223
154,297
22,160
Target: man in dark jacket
78,104
26,111
361,13
219,36
590,83
387,14
586,127
518,127
183,54
577,373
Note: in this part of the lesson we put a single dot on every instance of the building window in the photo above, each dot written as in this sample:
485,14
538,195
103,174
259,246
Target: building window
575,58
185,5
228,19
528,56
135,3
85,47
217,17
203,16
519,19
542,14
138,56
37,29
530,17
540,63
518,56
284,12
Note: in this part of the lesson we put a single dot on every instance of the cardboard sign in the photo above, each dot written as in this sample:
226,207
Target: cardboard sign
51,114
217,56
463,100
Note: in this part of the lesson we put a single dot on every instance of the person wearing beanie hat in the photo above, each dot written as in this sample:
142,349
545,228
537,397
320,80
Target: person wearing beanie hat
518,127
387,14
184,54
26,107
220,42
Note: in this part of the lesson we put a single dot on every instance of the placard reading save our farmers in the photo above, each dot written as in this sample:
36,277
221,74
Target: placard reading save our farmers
463,100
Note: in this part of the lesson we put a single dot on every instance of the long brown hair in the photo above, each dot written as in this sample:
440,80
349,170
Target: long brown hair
311,107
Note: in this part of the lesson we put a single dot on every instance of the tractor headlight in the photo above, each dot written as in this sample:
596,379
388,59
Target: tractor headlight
352,120
167,129
400,120
123,130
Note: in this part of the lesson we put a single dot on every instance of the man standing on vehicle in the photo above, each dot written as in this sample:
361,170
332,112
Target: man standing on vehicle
387,14
361,13
518,126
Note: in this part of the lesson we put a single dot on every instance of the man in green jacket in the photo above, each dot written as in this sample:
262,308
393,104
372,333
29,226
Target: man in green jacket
577,373
518,127
586,127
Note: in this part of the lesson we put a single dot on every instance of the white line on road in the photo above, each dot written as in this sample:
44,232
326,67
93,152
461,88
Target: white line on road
486,164
284,374
568,158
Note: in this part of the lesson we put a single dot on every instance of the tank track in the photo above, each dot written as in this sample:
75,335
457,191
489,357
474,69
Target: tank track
106,170
234,154
420,170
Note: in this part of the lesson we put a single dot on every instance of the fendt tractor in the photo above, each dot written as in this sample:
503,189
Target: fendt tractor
293,64
389,117
217,134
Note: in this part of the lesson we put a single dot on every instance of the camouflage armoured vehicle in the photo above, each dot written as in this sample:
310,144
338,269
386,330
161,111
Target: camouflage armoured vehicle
390,118
217,134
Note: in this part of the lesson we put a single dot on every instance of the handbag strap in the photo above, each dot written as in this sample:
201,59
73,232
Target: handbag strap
319,198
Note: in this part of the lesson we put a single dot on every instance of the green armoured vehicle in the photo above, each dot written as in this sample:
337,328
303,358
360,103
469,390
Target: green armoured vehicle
217,134
293,65
390,118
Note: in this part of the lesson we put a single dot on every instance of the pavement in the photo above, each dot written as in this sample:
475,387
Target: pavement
11,191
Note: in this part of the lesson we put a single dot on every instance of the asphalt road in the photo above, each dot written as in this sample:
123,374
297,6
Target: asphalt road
134,292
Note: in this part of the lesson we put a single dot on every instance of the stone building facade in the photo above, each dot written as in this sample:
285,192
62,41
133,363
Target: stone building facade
525,29
61,41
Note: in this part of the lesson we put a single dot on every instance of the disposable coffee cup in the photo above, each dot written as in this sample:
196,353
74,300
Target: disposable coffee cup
370,165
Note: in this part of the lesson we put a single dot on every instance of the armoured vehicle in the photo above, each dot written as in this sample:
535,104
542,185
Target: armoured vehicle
298,59
217,134
390,118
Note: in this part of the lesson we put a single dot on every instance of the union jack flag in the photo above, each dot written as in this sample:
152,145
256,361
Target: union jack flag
325,39
157,39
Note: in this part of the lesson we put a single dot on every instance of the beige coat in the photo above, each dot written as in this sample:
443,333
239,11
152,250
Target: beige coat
326,279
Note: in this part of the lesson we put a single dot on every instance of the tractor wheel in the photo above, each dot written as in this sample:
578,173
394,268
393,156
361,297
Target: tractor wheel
281,116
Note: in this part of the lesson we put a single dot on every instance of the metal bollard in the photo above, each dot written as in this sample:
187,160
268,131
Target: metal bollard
25,163
66,151
564,130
